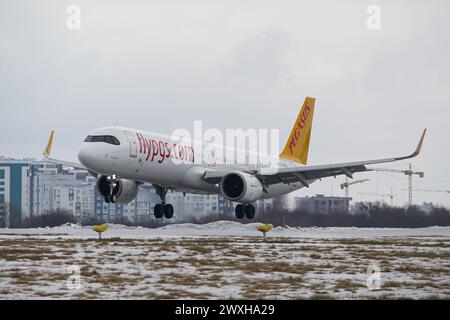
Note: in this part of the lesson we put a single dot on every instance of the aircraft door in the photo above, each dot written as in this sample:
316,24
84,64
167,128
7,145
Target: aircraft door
133,145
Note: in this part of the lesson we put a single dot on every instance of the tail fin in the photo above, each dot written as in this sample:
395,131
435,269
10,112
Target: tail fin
297,146
48,149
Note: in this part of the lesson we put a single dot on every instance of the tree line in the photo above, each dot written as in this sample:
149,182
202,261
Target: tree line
374,216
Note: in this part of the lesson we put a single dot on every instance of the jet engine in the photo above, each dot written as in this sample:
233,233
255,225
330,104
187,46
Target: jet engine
241,187
114,189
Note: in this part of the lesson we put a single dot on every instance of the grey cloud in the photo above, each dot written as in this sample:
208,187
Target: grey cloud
160,66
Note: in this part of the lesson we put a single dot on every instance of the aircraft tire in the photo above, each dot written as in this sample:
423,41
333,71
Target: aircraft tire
158,211
250,211
168,211
240,211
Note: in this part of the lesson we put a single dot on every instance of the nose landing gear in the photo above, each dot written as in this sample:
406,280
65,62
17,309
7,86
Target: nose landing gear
247,210
162,209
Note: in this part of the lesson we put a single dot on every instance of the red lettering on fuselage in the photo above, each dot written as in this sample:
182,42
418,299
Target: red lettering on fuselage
159,150
140,142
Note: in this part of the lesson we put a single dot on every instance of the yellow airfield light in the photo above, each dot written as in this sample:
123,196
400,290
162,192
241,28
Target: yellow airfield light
100,229
264,228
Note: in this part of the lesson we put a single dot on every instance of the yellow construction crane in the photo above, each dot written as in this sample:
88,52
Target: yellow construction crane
347,183
409,172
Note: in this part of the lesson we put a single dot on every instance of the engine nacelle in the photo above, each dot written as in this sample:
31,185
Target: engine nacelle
114,189
241,187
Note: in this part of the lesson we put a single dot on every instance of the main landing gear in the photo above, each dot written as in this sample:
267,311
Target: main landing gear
247,210
162,209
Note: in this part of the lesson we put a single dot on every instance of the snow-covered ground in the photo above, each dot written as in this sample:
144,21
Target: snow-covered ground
226,229
224,260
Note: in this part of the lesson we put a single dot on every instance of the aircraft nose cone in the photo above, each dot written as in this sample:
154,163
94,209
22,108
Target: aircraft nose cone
86,157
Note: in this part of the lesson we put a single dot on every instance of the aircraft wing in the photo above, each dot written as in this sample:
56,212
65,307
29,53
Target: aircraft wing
308,173
47,157
75,165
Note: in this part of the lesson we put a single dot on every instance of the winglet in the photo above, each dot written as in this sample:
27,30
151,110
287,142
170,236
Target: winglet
418,148
48,149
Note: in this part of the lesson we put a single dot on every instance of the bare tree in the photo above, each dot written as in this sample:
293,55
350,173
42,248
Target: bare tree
53,218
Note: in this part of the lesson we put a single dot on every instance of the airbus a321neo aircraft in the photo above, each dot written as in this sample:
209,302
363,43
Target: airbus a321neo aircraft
122,158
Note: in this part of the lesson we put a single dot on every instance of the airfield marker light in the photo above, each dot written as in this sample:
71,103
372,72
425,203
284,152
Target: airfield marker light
264,228
100,229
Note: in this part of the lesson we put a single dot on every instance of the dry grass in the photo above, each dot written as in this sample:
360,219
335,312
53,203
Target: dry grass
180,279
173,268
322,296
347,285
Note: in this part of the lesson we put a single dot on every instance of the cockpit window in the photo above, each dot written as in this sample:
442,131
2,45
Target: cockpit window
107,139
98,139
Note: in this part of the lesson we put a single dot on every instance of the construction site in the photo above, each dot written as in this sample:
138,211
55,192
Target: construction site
405,181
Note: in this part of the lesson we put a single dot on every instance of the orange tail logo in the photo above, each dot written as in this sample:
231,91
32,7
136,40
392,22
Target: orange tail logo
297,146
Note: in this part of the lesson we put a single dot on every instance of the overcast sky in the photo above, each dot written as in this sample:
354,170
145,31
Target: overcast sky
161,65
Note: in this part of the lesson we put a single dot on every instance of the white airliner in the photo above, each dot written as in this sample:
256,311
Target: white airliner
123,158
